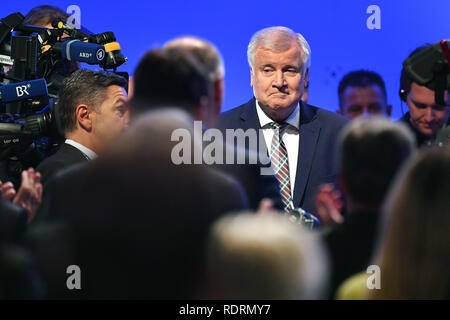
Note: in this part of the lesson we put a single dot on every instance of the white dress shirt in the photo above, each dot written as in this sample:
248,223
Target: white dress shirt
89,154
291,138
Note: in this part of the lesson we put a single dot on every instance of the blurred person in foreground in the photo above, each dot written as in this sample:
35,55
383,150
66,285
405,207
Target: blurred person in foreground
212,62
414,241
264,256
371,152
19,207
147,218
418,215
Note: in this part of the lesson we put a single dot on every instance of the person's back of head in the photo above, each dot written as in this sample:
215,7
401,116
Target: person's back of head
211,60
204,51
362,92
372,150
170,77
140,230
414,251
264,256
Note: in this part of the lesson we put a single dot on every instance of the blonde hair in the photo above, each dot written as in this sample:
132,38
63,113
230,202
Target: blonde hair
265,256
414,254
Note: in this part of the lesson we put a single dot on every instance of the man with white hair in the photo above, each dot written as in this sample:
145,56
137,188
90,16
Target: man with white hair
301,138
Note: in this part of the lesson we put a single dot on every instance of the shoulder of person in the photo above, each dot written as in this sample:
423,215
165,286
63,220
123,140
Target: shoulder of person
232,114
329,118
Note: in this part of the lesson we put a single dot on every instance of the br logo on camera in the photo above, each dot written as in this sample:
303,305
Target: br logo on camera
21,90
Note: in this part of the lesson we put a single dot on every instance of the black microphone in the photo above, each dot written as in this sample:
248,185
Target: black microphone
76,50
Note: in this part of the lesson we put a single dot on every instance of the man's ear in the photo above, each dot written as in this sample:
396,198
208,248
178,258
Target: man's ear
306,78
251,77
219,86
84,117
218,94
201,111
389,110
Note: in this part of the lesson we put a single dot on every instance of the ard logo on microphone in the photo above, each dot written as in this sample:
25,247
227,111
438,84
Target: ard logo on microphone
85,55
100,54
21,90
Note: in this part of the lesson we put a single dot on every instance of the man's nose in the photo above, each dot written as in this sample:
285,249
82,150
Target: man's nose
279,80
429,114
365,112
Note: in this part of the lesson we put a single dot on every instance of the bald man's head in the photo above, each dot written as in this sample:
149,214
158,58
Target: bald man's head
206,53
211,60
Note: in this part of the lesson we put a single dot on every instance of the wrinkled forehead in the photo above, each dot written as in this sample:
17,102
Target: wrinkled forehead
276,44
282,56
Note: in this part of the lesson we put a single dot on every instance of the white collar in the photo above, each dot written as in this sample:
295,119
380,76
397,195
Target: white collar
293,119
86,151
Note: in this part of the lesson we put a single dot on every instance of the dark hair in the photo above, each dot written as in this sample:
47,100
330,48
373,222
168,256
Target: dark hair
372,149
45,14
405,80
83,86
170,77
360,78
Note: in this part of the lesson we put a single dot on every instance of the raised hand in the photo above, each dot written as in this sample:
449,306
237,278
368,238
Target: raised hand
29,195
329,205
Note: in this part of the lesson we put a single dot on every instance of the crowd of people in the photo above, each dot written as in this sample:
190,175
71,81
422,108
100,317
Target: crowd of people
112,201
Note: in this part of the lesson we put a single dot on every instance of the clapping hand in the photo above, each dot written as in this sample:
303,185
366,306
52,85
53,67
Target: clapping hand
29,194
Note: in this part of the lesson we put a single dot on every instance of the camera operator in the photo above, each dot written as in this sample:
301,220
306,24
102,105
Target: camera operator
31,155
92,112
43,16
425,116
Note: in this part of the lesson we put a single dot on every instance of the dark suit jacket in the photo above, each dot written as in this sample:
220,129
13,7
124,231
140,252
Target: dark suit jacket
351,246
319,130
149,220
67,188
256,186
13,222
66,156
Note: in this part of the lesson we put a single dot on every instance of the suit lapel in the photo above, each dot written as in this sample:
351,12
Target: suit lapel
309,134
250,120
249,116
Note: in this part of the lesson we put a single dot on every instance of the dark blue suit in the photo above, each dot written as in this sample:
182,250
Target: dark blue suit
316,163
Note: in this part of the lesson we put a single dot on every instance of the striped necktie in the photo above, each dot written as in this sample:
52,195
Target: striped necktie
280,163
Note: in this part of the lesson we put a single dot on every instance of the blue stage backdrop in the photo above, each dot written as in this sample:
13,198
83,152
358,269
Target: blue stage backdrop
337,32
